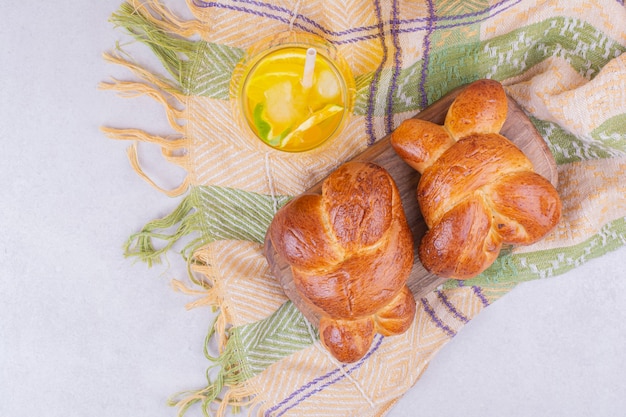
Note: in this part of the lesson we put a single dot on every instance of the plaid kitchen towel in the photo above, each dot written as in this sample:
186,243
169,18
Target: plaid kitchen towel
564,62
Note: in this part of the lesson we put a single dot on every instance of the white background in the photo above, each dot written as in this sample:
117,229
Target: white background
86,332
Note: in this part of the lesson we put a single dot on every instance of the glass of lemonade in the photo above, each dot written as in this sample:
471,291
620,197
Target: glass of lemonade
286,106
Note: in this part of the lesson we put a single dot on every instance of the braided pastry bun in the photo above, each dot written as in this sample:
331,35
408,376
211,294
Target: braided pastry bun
477,191
350,251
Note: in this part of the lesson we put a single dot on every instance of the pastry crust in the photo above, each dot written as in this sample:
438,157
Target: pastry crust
477,191
350,250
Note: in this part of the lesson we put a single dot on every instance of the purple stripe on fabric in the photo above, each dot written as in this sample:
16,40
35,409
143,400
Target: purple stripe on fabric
268,5
426,53
451,307
438,19
450,26
347,371
397,64
278,9
479,293
369,118
306,19
302,389
204,4
458,16
207,4
360,38
324,30
433,316
481,19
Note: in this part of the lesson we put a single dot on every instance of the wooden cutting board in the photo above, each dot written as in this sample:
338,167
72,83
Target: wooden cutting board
517,128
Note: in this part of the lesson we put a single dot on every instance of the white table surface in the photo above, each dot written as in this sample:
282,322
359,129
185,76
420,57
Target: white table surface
86,332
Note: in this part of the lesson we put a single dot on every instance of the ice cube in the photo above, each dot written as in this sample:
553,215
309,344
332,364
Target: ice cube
279,103
327,85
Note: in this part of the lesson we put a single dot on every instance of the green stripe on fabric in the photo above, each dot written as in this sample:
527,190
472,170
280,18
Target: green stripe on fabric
612,133
208,214
362,84
455,63
567,147
212,70
266,342
547,263
584,47
458,9
506,56
229,213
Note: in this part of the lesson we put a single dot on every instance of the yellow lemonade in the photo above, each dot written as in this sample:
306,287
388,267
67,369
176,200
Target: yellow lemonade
283,109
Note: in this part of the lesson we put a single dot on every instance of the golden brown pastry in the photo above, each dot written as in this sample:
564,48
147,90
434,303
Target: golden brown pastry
477,191
350,251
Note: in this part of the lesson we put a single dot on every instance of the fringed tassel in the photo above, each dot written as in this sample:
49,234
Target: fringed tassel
160,15
206,297
223,391
134,161
173,145
235,399
154,87
141,245
174,150
131,89
202,264
158,81
173,51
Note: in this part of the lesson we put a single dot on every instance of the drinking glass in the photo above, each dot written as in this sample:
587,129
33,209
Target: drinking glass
293,91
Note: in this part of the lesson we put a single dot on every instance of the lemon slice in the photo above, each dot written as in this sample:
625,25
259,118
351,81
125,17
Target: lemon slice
257,86
282,63
315,119
264,129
